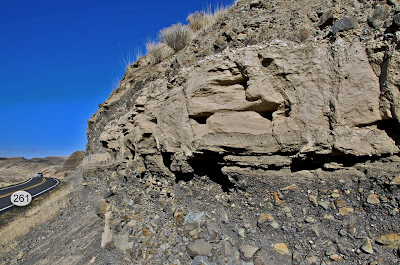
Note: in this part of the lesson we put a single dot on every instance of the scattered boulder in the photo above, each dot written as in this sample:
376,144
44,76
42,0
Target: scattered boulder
326,18
396,19
200,260
199,247
256,4
392,240
179,218
102,208
247,251
330,251
344,24
380,14
345,211
373,199
227,249
107,236
296,256
309,220
304,34
367,247
395,181
194,218
281,248
264,217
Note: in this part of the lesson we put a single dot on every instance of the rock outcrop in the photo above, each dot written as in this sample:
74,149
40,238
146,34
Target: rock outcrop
281,98
284,109
272,138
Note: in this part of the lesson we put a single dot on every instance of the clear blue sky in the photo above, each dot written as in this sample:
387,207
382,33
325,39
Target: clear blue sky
60,59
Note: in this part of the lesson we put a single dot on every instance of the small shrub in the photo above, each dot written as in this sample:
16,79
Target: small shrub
203,19
219,11
199,20
177,36
154,49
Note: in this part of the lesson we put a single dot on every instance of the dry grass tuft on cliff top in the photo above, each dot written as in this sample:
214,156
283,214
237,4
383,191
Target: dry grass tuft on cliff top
201,20
154,50
177,36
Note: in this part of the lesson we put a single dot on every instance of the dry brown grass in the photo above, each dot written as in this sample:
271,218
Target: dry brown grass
43,209
154,49
201,20
177,36
131,57
5,182
220,10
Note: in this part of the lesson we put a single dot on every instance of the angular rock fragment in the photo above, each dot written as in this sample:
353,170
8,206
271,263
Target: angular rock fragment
199,247
389,239
344,24
227,249
281,248
200,260
380,14
396,20
264,217
367,246
247,251
373,199
395,181
326,18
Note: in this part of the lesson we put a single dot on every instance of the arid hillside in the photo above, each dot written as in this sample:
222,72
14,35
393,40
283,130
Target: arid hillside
14,169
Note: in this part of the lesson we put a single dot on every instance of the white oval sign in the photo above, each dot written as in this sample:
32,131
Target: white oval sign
21,198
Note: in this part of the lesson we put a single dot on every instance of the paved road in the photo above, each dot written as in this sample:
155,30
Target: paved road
35,186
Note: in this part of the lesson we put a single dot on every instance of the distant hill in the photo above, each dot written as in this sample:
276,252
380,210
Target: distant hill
14,169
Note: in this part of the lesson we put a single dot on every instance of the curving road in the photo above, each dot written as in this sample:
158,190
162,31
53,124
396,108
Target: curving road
35,186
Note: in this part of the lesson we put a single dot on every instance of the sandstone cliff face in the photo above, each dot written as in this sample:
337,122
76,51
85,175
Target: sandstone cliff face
306,103
274,132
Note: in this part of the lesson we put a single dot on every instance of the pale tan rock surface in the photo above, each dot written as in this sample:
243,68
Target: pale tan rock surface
277,97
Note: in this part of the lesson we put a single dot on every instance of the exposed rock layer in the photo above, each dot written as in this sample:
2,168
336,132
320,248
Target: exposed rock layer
275,98
280,98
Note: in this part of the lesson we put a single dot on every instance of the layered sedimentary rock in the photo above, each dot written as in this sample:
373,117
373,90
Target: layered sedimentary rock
280,99
276,124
